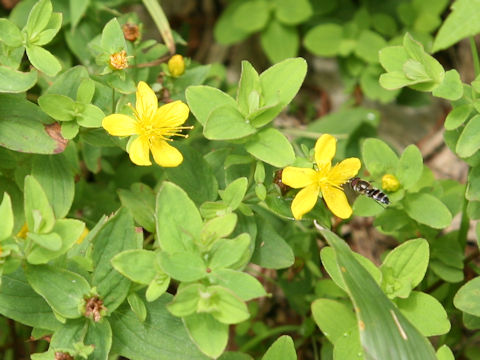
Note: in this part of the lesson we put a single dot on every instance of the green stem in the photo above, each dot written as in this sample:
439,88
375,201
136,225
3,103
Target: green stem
464,225
476,60
278,330
113,100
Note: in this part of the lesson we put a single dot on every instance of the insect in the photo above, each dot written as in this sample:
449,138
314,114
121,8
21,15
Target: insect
365,188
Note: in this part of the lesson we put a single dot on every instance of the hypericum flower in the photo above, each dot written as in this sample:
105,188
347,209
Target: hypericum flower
176,65
324,179
152,126
118,60
390,183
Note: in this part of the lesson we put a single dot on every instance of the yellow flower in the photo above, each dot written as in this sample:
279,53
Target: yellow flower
325,179
176,65
390,183
152,127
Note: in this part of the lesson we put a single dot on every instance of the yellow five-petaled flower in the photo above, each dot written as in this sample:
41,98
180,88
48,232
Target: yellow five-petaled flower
325,179
151,127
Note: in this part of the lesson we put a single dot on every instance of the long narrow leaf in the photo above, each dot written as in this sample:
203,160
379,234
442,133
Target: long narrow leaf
158,16
384,332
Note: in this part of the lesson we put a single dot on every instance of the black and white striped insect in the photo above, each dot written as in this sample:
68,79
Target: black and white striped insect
365,188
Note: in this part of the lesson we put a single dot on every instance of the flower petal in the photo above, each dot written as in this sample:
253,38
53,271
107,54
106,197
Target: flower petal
344,171
325,149
336,201
139,151
296,177
119,125
171,115
146,103
166,155
305,201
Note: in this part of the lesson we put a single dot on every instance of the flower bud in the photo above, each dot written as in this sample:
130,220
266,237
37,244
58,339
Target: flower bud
390,183
176,65
118,60
131,32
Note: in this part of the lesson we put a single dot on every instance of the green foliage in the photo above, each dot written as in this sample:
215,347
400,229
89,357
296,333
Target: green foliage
108,259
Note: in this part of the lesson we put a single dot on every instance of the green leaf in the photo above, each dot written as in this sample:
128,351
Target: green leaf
225,31
324,39
279,41
404,268
53,27
368,45
462,22
70,333
378,157
85,91
178,220
251,16
272,147
69,230
38,212
193,172
271,250
283,348
183,266
38,18
186,300
99,334
50,241
226,252
17,299
77,11
444,353
218,227
428,210
161,336
458,116
138,306
225,305
280,83
140,200
410,167
69,131
202,100
425,312
63,290
333,317
392,58
469,141
43,60
249,85
293,12
227,123
91,116
59,107
235,192
327,256
6,214
157,287
384,332
242,284
55,177
10,34
209,335
466,298
138,265
112,286
13,81
451,88
19,116
112,37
